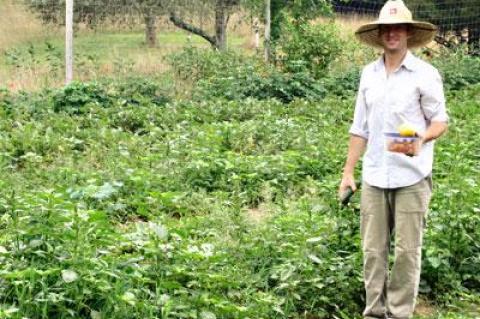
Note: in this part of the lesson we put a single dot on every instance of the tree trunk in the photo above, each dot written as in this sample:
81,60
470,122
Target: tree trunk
150,29
221,19
267,30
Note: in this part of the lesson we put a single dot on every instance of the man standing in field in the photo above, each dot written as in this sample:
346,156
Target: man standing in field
396,90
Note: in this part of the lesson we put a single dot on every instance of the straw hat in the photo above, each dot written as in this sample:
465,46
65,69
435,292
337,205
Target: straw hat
395,12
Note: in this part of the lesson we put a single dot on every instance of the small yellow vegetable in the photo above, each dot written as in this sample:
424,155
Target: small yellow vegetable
406,130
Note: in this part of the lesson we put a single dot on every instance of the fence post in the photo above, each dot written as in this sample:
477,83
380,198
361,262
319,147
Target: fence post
267,30
69,42
256,30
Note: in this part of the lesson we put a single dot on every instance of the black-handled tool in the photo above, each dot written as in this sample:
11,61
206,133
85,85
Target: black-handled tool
345,196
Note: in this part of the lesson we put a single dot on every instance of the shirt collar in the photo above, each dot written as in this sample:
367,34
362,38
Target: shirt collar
408,62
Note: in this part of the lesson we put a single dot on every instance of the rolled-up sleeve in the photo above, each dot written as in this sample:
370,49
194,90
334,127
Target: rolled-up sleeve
359,126
433,99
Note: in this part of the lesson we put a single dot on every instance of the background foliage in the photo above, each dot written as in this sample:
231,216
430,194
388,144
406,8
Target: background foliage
119,202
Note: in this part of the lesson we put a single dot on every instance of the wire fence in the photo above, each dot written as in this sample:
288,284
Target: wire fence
449,15
460,18
112,36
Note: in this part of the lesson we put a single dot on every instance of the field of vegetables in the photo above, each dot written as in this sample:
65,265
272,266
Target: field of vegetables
119,201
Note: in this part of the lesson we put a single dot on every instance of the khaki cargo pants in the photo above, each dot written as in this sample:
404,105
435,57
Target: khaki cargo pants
387,215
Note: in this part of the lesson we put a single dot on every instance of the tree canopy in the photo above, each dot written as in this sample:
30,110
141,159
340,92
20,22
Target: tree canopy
94,12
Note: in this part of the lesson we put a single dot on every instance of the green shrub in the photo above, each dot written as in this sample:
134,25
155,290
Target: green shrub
309,48
247,82
6,99
231,76
452,251
75,97
459,70
343,83
193,63
140,90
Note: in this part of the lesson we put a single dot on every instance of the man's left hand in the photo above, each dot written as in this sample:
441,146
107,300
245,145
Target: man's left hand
415,147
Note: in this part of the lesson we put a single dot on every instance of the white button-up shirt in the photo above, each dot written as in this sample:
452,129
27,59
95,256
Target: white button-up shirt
412,94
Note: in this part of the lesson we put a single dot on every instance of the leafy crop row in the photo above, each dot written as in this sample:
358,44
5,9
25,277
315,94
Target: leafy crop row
114,205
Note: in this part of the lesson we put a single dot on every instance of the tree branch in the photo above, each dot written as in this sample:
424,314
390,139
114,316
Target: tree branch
178,22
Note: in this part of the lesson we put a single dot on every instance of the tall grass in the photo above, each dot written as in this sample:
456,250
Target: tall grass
31,53
17,25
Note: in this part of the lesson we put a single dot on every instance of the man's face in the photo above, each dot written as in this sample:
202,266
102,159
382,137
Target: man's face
394,36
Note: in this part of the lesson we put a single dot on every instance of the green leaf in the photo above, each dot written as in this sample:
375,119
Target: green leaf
104,192
69,276
207,315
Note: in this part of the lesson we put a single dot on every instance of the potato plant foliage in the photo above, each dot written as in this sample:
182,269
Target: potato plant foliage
119,201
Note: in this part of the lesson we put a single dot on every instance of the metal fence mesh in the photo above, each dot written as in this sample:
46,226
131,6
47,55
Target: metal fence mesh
111,36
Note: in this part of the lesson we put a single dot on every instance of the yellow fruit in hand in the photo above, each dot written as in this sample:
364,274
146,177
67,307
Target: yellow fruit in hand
406,130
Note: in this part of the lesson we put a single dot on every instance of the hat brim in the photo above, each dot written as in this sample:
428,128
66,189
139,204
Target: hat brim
422,33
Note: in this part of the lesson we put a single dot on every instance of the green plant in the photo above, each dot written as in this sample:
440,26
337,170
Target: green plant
265,83
458,69
231,76
193,63
308,47
75,97
453,231
343,84
207,208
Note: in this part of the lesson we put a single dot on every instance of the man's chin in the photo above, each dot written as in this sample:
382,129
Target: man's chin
392,49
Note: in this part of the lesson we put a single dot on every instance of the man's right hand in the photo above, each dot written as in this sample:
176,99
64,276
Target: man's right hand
356,147
347,181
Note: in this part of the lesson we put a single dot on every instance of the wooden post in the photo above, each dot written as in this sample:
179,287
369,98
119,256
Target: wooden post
267,30
256,30
69,42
